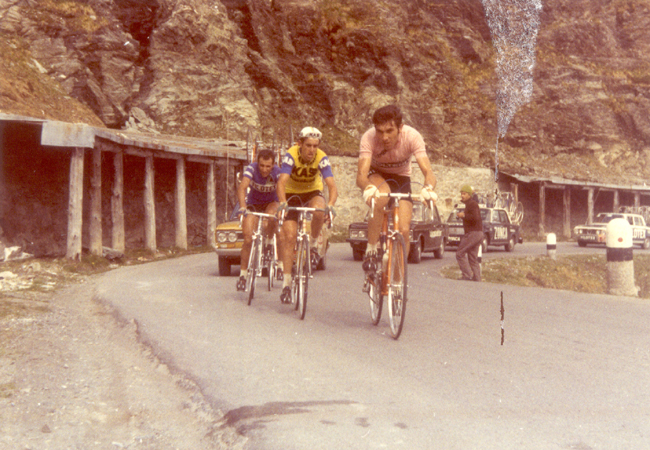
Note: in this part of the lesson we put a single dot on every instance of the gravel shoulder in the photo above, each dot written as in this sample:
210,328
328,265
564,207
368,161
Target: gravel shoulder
74,375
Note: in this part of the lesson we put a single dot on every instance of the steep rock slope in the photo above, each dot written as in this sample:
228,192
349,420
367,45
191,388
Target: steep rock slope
230,68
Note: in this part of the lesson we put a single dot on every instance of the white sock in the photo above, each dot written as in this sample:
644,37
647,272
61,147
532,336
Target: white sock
243,273
281,265
372,248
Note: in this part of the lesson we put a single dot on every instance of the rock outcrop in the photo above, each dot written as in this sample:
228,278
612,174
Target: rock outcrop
228,68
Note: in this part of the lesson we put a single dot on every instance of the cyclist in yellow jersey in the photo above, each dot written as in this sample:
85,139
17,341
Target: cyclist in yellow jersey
304,172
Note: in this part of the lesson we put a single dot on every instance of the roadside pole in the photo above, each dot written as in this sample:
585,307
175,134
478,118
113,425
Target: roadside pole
620,263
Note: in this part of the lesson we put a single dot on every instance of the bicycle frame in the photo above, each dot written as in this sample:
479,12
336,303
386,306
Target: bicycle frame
256,252
303,273
386,235
381,282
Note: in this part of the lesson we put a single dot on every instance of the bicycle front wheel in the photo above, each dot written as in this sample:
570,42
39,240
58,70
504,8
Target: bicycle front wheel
397,279
376,299
302,276
253,264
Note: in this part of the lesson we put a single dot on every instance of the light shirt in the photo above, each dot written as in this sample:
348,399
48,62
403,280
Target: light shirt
397,160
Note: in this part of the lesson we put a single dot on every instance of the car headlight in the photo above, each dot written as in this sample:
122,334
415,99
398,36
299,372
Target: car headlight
222,237
357,234
232,237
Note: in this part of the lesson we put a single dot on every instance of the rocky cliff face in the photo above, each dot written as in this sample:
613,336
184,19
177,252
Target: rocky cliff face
225,68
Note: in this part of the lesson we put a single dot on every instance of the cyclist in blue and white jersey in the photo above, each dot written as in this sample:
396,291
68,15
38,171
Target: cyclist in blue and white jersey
260,180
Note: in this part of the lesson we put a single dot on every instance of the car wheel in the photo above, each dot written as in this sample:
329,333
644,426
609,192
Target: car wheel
582,244
646,244
358,254
510,246
415,255
440,251
224,266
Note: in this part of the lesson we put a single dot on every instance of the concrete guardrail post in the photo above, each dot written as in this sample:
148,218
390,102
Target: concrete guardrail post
620,263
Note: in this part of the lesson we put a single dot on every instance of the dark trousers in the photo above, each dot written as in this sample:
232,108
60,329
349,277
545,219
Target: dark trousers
467,255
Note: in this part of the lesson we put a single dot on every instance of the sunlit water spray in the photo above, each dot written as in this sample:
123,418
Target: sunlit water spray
514,25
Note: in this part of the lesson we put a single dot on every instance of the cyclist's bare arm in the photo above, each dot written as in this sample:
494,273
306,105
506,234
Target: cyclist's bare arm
427,171
333,192
241,192
281,187
362,173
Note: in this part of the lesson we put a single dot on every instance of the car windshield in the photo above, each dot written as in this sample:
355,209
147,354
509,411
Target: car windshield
233,215
452,217
606,218
418,212
485,215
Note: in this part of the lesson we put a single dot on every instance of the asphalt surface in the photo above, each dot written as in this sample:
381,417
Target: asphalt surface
573,371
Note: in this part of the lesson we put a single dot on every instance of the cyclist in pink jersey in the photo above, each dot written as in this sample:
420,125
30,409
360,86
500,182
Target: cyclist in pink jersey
385,156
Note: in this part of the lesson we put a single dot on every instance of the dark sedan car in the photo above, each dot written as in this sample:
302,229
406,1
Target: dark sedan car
497,226
428,234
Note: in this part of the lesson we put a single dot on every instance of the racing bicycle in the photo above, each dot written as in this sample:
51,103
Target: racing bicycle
506,200
389,274
261,256
302,268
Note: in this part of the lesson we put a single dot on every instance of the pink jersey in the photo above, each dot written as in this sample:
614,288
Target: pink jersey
396,160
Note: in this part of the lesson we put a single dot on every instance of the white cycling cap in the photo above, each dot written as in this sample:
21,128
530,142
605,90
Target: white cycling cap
310,132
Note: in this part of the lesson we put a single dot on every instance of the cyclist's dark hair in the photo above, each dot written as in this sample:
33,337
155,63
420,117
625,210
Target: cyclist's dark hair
386,114
265,154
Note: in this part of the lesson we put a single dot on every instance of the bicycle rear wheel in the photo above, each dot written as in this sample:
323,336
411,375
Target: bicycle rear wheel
376,299
269,258
397,280
253,263
303,276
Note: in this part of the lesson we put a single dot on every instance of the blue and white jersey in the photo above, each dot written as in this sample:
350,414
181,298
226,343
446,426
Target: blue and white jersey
262,190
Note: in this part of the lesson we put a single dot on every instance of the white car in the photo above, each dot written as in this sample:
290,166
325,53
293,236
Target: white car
595,233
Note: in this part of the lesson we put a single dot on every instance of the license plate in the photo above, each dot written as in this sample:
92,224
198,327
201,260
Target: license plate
589,237
454,239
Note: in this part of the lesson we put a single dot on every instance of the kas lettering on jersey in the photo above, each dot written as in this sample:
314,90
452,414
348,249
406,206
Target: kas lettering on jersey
305,176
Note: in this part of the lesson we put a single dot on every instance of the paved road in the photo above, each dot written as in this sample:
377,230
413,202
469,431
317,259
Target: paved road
573,373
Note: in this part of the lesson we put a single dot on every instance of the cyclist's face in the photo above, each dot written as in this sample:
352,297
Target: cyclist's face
265,166
388,133
308,149
464,197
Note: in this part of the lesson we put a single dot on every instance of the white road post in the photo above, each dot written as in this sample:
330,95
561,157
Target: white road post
551,245
620,263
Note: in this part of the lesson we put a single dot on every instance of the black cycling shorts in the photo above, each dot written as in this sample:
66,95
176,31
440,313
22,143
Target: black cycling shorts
259,208
299,200
397,183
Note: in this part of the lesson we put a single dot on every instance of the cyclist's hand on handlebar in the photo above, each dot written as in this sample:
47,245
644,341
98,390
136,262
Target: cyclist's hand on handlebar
427,194
369,192
331,211
241,211
281,209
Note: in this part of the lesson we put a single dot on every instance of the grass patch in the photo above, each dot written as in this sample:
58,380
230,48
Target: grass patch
578,273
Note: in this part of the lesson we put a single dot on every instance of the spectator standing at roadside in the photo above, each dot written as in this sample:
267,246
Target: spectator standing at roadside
467,252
